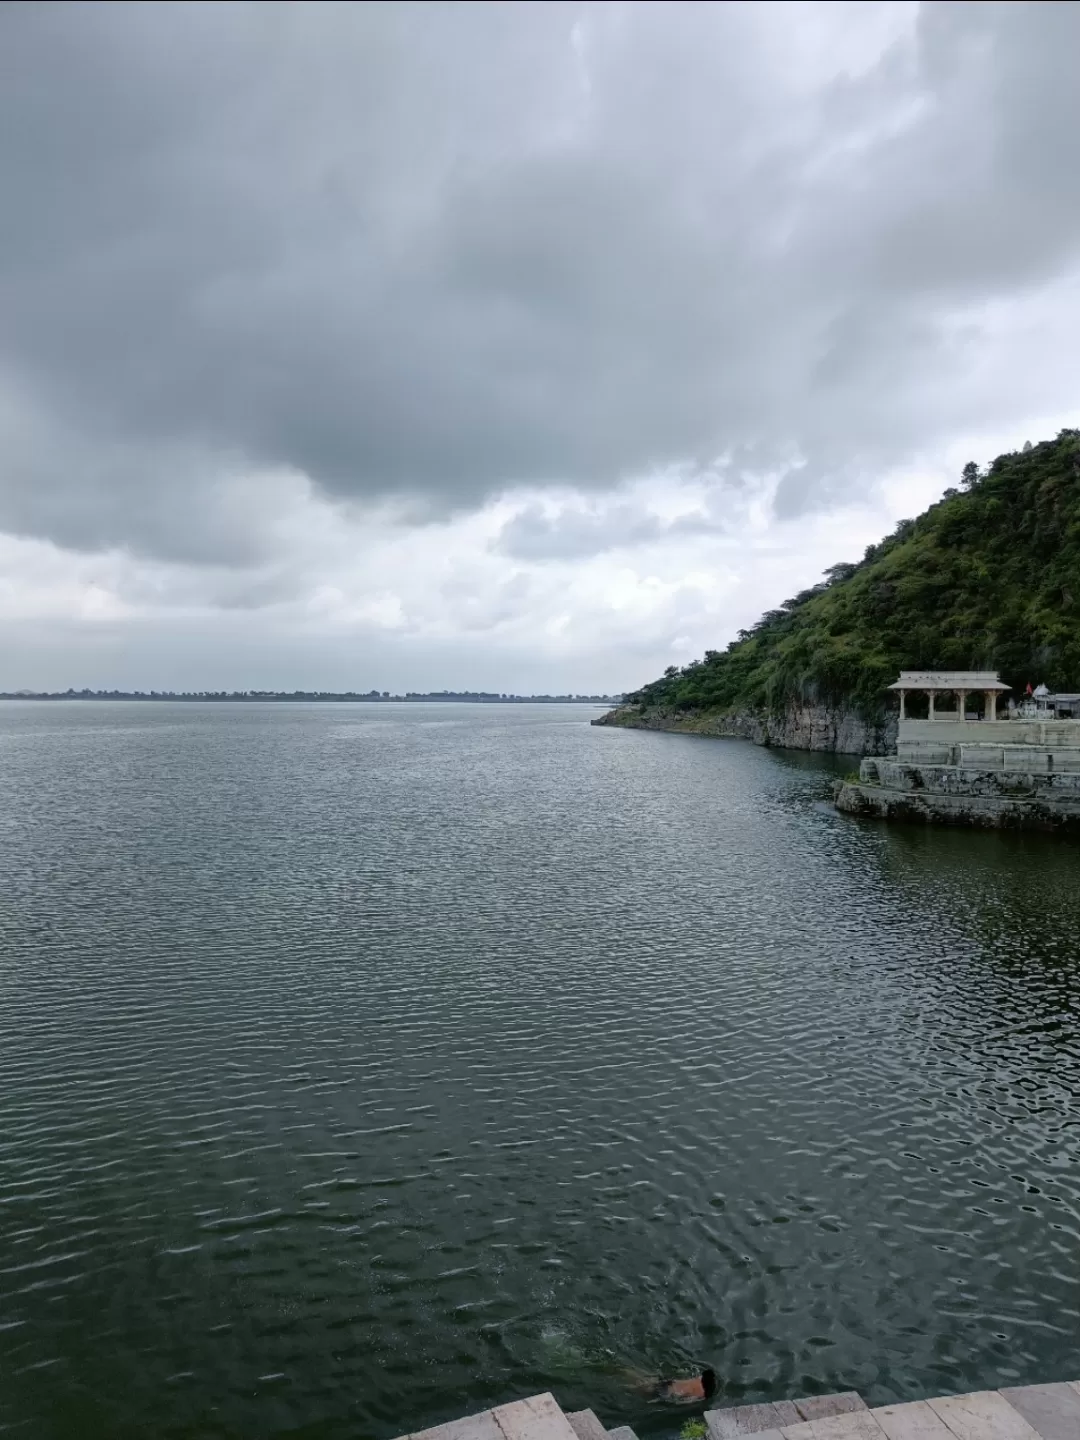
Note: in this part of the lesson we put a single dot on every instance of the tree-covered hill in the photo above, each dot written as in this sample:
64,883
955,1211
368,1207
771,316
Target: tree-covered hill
987,579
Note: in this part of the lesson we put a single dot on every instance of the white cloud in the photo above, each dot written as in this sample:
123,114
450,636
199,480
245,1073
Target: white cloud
363,601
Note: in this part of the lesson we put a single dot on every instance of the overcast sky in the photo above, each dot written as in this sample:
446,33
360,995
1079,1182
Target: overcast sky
504,346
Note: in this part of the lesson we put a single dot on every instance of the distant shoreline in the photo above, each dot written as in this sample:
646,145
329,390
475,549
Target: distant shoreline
372,697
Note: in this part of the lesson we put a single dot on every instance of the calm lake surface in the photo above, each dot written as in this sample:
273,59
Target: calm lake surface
363,1066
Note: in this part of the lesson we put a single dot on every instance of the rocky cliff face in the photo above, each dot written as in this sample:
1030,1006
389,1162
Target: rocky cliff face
800,727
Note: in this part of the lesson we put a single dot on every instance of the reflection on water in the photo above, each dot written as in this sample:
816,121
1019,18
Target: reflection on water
360,1067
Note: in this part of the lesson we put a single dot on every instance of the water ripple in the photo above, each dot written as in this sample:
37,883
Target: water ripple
455,1053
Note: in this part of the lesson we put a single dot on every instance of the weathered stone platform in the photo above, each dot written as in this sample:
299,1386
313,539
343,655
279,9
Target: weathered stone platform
896,788
1028,1412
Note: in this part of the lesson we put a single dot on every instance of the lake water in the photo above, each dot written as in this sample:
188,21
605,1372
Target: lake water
362,1066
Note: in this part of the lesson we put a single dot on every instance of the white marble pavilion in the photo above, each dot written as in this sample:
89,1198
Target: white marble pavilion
958,683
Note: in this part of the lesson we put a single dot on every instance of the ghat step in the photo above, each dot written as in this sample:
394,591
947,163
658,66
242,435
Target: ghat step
1028,1412
586,1426
773,1418
538,1418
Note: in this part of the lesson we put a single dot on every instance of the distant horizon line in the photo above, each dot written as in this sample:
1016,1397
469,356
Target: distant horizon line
476,697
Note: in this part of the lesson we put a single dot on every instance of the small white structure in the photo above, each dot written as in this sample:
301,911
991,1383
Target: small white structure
1048,706
1035,705
960,683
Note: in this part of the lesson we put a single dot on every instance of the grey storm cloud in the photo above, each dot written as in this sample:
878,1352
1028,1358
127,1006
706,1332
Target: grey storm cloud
435,252
534,534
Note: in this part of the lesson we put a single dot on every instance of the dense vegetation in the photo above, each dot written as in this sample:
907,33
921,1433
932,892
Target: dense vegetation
987,579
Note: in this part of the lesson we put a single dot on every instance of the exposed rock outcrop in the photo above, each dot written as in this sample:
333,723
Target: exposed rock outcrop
799,727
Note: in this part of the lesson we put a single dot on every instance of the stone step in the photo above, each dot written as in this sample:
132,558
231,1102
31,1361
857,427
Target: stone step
469,1427
849,1425
750,1420
1052,1410
1029,1412
824,1407
779,1414
914,1420
983,1415
586,1425
538,1418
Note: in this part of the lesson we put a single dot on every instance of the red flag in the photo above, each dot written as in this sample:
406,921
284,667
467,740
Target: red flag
1029,689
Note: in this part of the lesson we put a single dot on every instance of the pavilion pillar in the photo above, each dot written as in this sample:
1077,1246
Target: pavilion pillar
903,711
991,704
931,715
962,694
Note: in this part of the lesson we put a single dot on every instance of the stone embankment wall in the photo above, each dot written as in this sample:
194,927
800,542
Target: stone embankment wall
893,789
799,727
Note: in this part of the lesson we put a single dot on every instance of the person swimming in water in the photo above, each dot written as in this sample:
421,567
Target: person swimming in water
680,1392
